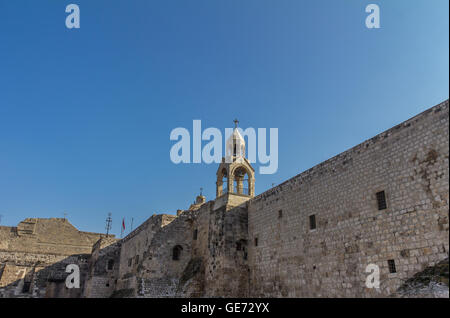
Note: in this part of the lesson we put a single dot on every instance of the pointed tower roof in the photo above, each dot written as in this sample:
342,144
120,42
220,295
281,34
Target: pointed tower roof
235,144
235,136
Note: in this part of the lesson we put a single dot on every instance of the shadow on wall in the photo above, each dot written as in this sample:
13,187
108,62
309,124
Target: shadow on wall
43,281
97,275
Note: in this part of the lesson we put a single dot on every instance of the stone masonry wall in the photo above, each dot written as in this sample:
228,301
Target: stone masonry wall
34,255
227,265
134,249
103,271
160,273
409,162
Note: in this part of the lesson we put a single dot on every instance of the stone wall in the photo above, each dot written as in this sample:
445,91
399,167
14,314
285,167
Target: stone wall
103,270
409,162
227,268
134,249
160,262
212,256
34,256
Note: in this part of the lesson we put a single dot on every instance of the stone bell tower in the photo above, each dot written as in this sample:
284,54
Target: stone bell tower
235,175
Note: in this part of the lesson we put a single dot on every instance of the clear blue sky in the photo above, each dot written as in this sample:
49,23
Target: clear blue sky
85,115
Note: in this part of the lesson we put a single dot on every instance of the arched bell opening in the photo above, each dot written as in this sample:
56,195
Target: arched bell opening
241,181
222,182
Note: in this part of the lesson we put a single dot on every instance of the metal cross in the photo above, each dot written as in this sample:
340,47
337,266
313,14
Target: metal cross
236,122
201,191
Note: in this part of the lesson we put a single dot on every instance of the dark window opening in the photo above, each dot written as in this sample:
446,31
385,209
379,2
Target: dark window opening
312,222
238,246
256,241
110,264
381,199
391,264
176,252
130,262
107,284
195,234
26,287
136,259
280,214
234,149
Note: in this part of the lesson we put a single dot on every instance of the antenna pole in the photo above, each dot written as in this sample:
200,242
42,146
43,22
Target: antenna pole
108,223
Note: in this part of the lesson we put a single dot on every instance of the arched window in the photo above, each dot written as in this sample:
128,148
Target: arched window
241,181
176,252
223,182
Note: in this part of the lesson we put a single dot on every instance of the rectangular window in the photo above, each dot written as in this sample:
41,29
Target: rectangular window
195,234
110,264
391,264
312,222
130,262
280,214
26,287
256,241
381,199
136,259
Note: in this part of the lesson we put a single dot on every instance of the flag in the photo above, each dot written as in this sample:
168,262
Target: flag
123,223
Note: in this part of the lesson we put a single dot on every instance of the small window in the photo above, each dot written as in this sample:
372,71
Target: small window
381,199
195,234
280,214
110,264
312,222
391,264
238,246
136,259
130,262
256,241
176,252
26,287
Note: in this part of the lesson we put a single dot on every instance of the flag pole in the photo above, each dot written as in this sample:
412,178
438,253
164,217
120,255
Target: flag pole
131,228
